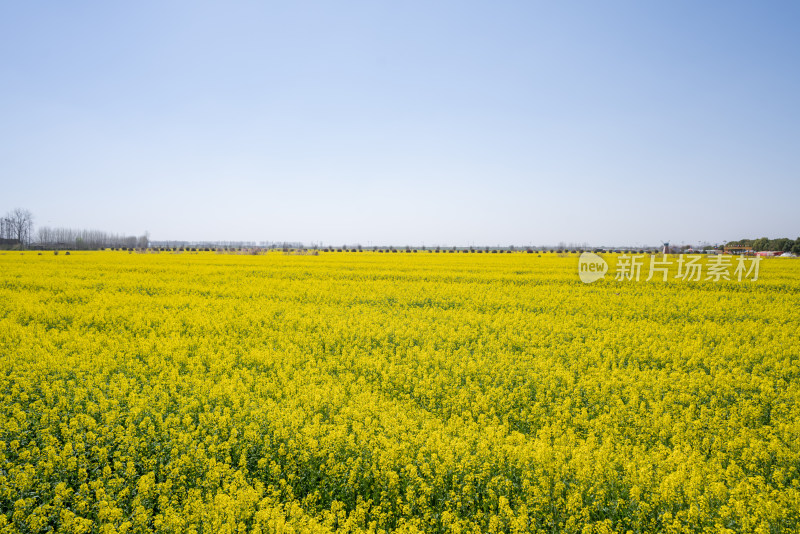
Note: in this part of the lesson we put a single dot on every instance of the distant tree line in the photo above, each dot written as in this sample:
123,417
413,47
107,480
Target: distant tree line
17,230
47,237
783,244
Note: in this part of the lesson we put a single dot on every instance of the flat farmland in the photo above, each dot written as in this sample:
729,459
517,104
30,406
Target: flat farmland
377,392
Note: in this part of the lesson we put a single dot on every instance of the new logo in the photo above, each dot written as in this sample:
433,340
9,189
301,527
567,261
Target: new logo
591,267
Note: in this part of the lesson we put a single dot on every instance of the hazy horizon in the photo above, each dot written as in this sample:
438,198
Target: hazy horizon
374,123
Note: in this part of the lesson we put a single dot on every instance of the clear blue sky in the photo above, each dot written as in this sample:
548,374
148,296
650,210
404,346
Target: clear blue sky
404,122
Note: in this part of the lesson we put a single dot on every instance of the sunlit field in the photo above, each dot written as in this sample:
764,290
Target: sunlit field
371,392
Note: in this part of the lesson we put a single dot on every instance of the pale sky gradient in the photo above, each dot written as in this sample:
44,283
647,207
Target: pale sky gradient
404,122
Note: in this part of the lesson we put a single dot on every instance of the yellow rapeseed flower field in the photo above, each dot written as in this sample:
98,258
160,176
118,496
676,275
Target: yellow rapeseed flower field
371,392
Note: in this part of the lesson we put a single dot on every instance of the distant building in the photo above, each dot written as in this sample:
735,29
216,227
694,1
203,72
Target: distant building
738,250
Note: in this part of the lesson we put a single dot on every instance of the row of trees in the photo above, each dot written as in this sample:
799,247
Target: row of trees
86,239
783,244
16,228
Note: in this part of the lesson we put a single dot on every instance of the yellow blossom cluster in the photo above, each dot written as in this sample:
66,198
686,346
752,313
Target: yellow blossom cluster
370,392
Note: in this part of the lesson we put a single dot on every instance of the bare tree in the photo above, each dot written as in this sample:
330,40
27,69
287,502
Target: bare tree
18,224
143,240
5,228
